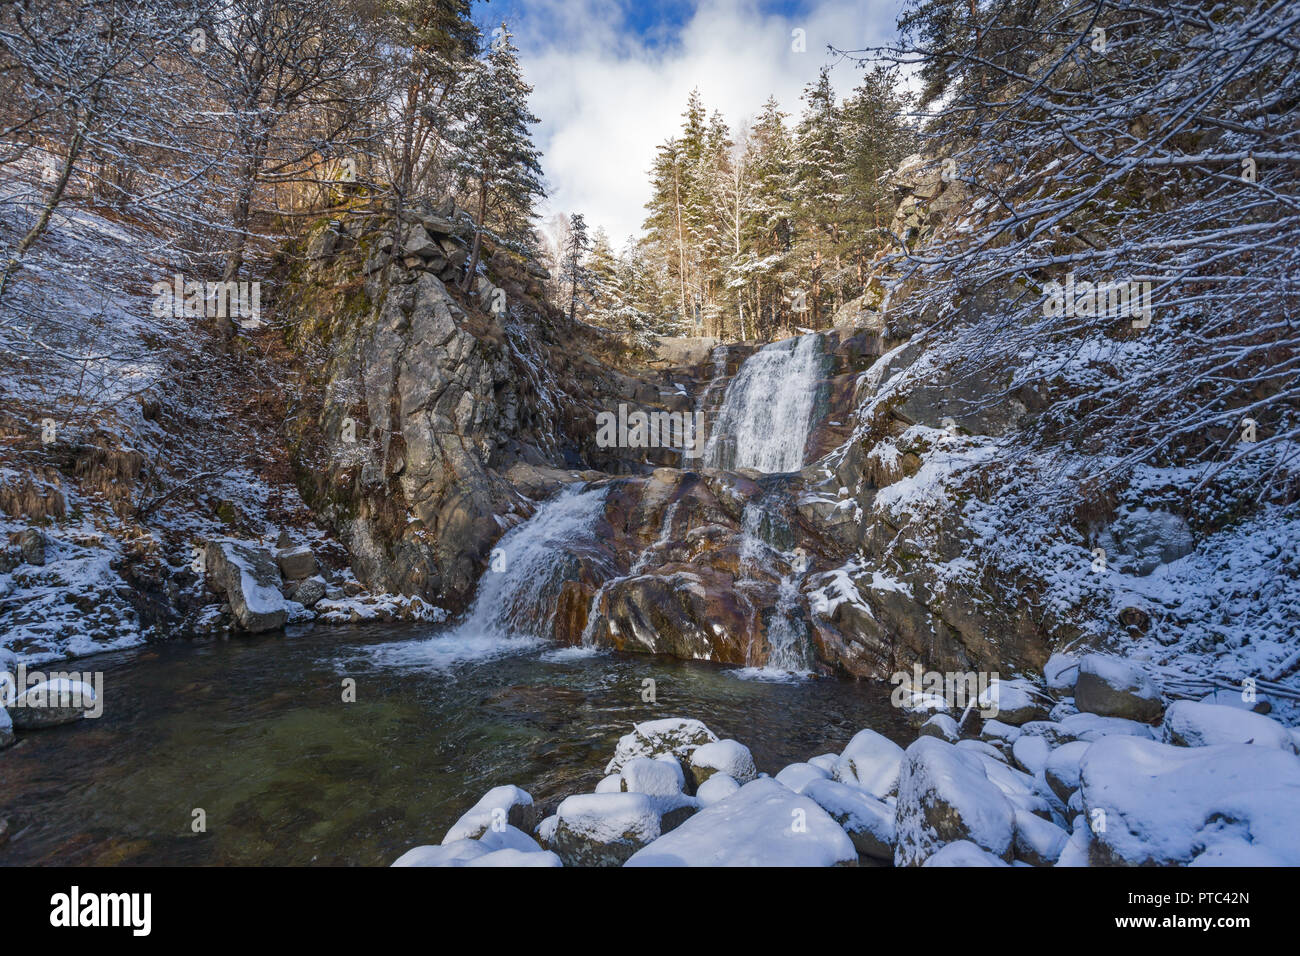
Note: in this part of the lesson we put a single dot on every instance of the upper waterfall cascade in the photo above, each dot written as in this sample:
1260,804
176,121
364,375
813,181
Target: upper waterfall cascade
767,412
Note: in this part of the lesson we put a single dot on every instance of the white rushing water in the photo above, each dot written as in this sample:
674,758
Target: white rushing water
787,636
515,603
767,411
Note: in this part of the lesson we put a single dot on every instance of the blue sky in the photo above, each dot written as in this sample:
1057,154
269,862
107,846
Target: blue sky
611,78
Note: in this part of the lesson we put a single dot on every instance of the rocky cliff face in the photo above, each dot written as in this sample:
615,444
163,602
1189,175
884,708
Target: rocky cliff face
443,417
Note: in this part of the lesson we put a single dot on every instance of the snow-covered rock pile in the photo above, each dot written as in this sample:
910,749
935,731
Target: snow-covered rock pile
1195,783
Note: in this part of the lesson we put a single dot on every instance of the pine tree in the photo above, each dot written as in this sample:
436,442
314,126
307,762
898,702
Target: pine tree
819,192
498,163
576,244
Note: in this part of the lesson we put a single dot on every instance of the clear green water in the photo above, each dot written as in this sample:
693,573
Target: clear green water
255,732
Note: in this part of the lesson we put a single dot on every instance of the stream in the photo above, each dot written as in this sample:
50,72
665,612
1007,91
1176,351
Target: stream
254,731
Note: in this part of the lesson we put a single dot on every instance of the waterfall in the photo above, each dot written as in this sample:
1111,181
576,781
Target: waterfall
514,607
537,558
767,411
787,635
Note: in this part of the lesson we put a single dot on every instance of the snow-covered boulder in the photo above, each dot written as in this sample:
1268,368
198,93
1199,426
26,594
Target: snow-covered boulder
1257,702
1112,687
1154,804
1086,727
995,731
796,776
1031,753
944,795
51,703
1014,702
1060,673
653,776
827,762
545,832
870,762
762,824
249,579
723,756
604,829
516,858
678,736
499,807
613,783
1078,849
982,748
1192,724
715,789
1062,768
1038,842
941,726
457,853
510,838
963,853
868,822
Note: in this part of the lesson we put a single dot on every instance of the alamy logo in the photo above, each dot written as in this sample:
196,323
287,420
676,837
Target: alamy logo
1116,300
957,689
56,690
683,431
182,298
74,909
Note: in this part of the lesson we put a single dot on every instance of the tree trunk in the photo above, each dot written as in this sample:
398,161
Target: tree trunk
478,236
43,222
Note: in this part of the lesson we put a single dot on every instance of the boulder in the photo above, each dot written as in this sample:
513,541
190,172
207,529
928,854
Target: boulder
1060,672
515,858
963,853
1189,723
1031,753
870,762
1154,804
32,544
941,726
51,703
868,821
1112,687
723,756
6,729
498,808
1078,849
418,242
604,829
679,736
296,563
717,788
309,592
248,578
545,832
458,853
1038,842
761,824
1139,540
1062,768
825,762
1013,702
657,777
796,776
944,795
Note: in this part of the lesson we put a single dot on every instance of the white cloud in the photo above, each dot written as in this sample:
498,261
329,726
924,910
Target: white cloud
607,99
